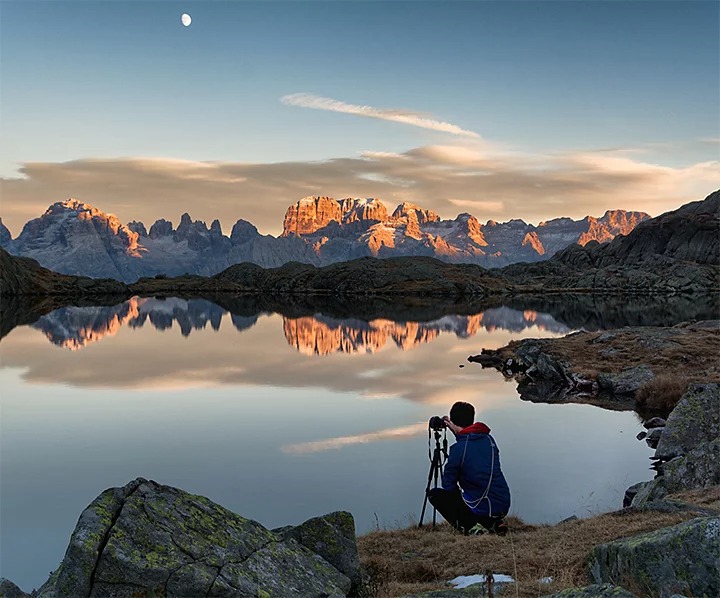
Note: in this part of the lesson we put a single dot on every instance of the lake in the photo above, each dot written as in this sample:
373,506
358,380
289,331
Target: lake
284,417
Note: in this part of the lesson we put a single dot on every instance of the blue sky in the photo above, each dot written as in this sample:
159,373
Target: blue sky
119,79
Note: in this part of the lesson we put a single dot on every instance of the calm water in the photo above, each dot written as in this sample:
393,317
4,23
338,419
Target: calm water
282,418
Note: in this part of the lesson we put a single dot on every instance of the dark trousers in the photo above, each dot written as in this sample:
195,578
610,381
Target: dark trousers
452,507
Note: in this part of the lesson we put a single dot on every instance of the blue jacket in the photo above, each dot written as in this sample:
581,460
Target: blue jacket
474,465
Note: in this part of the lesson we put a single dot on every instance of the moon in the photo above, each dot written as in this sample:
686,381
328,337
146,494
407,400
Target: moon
186,20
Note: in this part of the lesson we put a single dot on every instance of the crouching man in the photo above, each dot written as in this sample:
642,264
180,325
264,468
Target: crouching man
474,497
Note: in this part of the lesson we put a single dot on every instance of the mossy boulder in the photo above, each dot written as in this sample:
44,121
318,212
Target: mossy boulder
605,590
695,419
146,539
700,468
682,559
9,590
332,536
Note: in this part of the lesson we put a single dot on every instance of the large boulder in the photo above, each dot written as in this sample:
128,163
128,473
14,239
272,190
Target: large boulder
628,381
146,539
7,588
332,536
681,559
605,590
700,468
696,418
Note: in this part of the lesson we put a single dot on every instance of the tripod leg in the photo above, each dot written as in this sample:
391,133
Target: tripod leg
427,490
437,472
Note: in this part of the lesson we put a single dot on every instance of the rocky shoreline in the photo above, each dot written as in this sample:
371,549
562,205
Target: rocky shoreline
644,368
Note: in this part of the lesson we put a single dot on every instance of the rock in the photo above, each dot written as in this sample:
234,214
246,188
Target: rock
7,588
627,381
678,559
476,591
700,468
654,422
606,590
550,368
696,418
631,493
569,519
149,539
604,338
332,536
595,591
641,435
653,437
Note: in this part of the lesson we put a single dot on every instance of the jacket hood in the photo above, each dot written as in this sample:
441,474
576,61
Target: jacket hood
476,428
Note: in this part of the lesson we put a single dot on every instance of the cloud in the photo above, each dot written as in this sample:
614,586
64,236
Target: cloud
416,119
317,446
490,184
482,206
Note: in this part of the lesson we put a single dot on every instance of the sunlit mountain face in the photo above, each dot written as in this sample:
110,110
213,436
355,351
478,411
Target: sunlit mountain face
77,327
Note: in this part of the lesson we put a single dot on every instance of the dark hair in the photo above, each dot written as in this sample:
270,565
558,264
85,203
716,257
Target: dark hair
462,414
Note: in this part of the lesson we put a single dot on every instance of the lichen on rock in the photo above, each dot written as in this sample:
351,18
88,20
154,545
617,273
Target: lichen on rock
679,559
146,539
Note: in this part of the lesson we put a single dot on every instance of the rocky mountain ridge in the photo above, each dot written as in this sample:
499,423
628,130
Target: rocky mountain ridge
72,237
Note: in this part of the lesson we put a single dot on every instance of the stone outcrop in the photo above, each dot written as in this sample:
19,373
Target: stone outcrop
695,419
75,238
627,381
688,449
682,559
9,590
153,540
332,536
605,590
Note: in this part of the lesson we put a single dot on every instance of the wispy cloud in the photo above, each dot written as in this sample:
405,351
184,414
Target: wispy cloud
445,179
319,446
483,206
416,119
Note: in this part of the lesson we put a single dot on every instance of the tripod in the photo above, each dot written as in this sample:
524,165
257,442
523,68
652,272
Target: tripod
436,463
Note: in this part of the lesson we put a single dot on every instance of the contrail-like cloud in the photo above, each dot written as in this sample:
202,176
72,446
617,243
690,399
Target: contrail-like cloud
318,446
308,100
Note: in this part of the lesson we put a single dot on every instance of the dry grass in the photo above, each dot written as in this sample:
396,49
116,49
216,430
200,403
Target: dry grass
663,393
413,560
708,498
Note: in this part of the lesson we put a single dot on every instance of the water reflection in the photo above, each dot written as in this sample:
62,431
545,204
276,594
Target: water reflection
329,399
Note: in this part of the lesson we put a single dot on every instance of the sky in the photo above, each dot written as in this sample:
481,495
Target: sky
528,110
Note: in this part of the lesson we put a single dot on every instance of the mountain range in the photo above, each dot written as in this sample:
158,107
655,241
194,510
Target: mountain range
72,237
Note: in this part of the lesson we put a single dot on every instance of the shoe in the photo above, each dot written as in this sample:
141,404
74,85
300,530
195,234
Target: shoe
500,528
477,530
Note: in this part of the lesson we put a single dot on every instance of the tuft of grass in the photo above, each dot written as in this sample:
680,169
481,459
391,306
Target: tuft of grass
412,560
662,393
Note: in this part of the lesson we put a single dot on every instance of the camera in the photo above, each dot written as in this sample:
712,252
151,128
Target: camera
436,423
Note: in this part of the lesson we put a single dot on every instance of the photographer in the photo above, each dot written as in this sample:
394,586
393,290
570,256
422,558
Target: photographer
474,497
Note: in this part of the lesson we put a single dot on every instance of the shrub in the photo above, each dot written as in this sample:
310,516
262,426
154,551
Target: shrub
662,393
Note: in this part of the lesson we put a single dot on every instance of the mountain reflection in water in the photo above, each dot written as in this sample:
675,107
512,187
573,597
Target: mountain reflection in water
76,327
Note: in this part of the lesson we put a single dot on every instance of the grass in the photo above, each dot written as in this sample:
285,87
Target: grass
412,560
663,393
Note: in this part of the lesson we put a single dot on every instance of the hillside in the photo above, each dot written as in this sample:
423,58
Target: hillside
678,250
